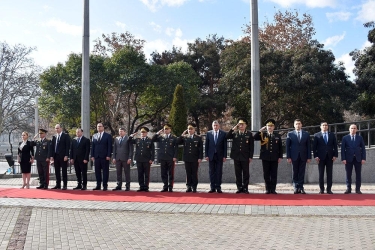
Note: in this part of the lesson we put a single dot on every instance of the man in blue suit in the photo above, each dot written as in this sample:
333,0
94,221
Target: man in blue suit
101,155
353,153
325,153
298,153
216,154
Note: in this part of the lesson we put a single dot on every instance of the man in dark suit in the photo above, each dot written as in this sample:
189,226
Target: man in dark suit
167,155
242,153
298,153
325,153
216,155
101,155
79,156
353,153
59,154
122,157
144,157
271,153
42,158
193,155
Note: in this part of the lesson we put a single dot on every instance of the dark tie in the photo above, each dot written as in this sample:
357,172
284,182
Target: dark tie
57,143
215,137
79,139
299,137
121,140
100,136
325,138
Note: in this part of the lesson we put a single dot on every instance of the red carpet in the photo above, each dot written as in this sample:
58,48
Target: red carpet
197,198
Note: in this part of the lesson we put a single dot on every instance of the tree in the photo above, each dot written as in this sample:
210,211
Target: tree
177,117
19,78
365,73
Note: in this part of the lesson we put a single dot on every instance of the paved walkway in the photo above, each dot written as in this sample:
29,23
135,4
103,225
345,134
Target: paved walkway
64,224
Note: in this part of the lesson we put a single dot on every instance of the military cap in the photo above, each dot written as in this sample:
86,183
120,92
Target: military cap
191,125
144,129
270,122
242,120
166,126
42,131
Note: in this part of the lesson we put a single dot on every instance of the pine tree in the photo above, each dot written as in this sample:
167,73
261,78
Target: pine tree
177,117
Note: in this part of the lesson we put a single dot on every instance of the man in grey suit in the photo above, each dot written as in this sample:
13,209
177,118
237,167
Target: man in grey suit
298,153
122,157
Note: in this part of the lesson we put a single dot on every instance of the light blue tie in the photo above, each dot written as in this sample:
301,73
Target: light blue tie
325,138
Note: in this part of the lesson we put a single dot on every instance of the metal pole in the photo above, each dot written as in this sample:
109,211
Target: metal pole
255,73
36,117
85,95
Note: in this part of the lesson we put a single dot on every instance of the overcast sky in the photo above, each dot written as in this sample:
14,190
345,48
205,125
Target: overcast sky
55,27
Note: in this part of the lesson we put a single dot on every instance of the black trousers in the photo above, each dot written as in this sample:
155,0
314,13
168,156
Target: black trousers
216,172
81,172
270,174
242,172
358,174
143,174
326,164
61,166
43,172
123,166
167,173
299,168
101,164
192,174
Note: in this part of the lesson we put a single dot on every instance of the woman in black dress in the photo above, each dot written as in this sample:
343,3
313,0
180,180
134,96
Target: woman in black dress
25,159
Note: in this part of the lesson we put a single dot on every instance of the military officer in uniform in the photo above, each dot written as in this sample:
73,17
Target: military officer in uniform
167,155
242,153
193,155
271,153
144,156
42,158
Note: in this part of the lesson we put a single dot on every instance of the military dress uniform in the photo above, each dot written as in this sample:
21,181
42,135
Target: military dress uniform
193,151
242,150
41,156
144,153
168,149
270,152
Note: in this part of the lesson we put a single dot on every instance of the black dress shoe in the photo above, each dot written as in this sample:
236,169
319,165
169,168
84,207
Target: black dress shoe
105,188
164,190
127,189
146,190
194,190
97,188
45,187
219,191
296,191
239,191
358,192
267,192
302,191
56,187
329,192
116,189
212,191
348,191
321,192
188,190
246,191
64,188
40,187
140,190
77,187
170,190
84,188
273,192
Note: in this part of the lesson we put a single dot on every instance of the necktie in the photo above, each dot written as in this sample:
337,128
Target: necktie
100,136
325,138
215,137
57,143
79,139
353,138
299,137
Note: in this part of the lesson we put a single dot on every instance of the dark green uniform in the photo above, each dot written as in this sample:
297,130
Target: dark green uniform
41,156
193,151
270,152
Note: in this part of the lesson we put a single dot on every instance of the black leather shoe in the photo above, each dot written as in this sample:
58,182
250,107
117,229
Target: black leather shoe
296,191
188,190
45,187
194,190
64,188
170,190
219,191
239,191
358,192
116,189
56,187
273,192
302,191
40,187
97,188
348,191
267,192
146,190
84,188
140,190
77,187
321,192
212,191
127,189
105,188
164,190
246,191
329,192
